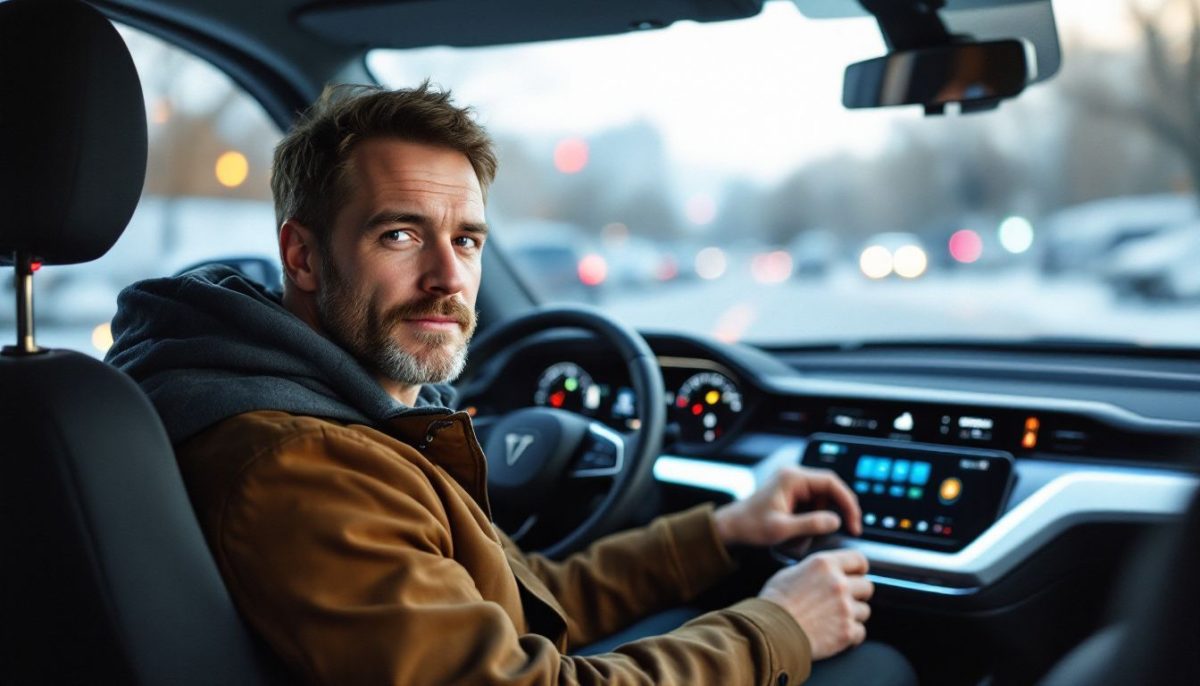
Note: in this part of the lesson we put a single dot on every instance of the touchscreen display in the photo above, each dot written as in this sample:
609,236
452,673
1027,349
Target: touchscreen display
924,496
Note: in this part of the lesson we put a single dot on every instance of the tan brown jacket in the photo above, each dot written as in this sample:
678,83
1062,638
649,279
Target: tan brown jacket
363,560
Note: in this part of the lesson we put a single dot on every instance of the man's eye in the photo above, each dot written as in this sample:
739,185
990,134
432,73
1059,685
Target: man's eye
467,242
397,236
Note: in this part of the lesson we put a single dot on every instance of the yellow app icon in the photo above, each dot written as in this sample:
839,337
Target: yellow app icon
950,490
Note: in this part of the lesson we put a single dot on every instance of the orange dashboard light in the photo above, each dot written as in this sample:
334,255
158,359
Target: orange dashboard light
1030,439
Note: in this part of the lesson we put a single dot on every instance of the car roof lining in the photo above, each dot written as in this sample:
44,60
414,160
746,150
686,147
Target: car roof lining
422,23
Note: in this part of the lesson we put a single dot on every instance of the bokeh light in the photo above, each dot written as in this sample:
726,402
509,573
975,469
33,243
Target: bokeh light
909,261
1016,235
966,246
771,267
232,169
701,209
102,338
593,270
711,263
875,262
571,155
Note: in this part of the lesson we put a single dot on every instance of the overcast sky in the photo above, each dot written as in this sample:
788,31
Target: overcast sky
751,98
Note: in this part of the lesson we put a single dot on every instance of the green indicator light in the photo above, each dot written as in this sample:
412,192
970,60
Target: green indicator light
571,384
915,493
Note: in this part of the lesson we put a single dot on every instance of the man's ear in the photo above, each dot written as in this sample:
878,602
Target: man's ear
300,254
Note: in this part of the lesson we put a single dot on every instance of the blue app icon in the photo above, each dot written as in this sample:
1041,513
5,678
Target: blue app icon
900,471
865,468
883,468
862,486
896,491
878,489
919,475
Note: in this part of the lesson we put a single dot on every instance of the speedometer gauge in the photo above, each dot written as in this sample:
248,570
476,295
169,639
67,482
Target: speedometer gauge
705,406
566,386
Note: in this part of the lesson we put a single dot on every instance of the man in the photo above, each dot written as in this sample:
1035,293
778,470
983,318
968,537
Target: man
345,503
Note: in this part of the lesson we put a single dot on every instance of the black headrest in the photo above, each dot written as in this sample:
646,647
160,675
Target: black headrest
72,131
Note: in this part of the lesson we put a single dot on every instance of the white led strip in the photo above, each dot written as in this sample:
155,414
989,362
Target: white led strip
734,480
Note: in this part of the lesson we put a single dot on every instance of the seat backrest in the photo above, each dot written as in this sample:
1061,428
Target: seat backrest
104,573
1156,635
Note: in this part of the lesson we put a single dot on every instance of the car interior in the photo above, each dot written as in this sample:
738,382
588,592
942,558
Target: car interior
1030,510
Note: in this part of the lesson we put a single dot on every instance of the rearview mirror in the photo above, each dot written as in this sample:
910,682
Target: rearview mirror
977,75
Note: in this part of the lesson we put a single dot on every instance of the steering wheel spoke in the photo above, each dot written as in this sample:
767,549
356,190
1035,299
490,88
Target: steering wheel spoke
601,455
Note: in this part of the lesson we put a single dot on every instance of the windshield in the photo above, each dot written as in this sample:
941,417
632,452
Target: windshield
706,178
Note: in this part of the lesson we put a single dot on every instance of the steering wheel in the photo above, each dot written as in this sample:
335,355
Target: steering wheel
539,456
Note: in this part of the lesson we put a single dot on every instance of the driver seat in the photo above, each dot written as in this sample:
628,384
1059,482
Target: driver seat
104,574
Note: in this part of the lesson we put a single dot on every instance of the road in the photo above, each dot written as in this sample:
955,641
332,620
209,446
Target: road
846,307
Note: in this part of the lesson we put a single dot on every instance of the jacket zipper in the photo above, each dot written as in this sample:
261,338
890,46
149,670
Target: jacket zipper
432,430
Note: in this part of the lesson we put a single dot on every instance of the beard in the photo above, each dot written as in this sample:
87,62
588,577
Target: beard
367,333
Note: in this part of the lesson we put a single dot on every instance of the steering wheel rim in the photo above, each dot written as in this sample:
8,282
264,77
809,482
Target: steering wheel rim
641,446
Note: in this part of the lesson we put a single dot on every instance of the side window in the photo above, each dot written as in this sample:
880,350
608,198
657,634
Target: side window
207,194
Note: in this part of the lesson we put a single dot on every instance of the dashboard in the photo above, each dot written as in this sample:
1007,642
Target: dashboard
964,480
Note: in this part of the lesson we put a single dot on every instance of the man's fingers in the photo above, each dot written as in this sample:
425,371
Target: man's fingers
831,485
858,634
861,587
811,524
862,612
851,562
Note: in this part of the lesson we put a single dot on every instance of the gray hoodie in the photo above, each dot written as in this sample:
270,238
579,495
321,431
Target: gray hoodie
211,344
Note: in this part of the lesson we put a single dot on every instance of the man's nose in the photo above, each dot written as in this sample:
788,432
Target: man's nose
442,270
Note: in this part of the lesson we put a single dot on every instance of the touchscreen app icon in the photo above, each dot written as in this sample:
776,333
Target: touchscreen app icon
950,490
919,476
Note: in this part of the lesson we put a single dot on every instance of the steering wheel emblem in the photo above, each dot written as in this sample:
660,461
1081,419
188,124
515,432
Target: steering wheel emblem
514,447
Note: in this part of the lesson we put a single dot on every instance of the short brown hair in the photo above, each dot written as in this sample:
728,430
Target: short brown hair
307,174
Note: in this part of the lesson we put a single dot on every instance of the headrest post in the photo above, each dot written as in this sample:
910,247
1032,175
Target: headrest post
26,343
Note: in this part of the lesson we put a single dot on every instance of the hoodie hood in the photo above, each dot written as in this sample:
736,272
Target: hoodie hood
211,344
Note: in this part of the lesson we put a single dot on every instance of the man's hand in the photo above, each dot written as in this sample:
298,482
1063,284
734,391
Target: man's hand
769,516
827,595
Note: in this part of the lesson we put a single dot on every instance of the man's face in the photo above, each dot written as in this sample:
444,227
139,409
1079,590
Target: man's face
399,282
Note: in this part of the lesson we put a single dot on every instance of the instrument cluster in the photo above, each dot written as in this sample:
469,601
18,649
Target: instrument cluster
703,398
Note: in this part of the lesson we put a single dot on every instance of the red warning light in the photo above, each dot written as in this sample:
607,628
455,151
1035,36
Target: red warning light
681,401
558,398
34,266
697,409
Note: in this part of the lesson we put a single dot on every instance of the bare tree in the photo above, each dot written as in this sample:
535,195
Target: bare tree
1166,102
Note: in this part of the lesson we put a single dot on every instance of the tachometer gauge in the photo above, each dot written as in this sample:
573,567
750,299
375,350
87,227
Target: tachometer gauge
705,406
566,386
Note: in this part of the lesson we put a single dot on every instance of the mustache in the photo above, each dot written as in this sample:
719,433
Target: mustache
434,307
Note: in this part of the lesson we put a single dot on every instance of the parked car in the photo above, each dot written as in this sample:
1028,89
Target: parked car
1082,239
1162,266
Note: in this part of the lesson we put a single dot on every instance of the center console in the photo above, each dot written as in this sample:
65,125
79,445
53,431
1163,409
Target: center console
918,495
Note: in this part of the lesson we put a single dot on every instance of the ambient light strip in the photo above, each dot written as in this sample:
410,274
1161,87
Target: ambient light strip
1067,500
738,482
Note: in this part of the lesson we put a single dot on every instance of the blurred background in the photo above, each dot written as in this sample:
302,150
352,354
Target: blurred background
705,177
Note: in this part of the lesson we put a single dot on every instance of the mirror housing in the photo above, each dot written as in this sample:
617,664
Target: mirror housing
977,75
